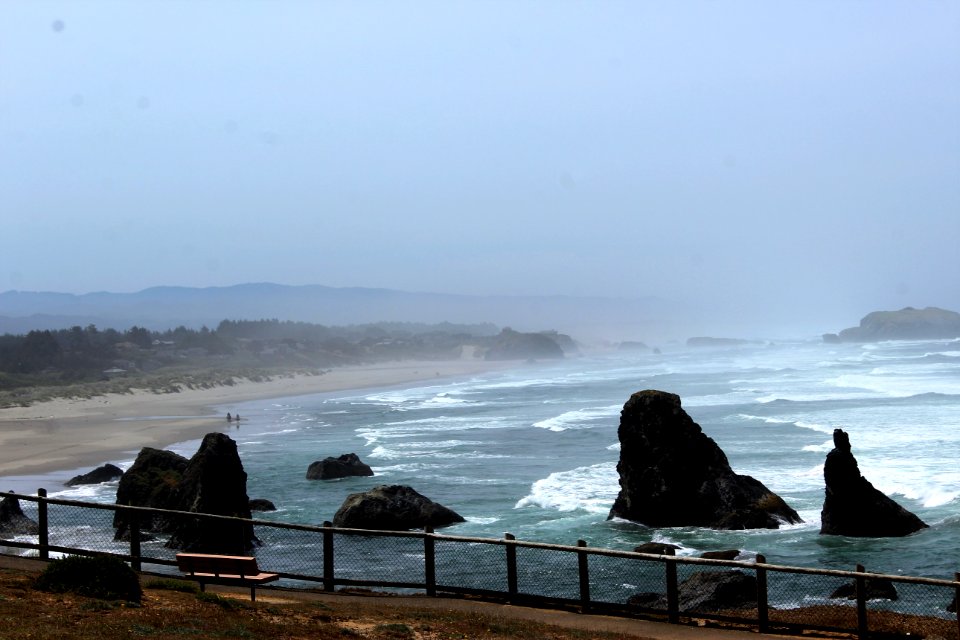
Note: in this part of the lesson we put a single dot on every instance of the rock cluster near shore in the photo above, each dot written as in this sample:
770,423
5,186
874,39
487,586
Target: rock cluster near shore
105,473
852,506
212,481
393,508
673,475
345,466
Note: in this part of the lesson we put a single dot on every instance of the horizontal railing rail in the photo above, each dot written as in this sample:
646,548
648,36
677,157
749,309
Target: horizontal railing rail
516,571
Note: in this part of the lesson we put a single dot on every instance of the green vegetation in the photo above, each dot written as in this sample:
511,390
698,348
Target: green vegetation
87,361
103,577
82,362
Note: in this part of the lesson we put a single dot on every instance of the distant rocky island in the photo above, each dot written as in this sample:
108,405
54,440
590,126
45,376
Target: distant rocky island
906,324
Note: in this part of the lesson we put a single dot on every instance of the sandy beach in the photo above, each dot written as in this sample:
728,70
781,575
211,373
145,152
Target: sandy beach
85,433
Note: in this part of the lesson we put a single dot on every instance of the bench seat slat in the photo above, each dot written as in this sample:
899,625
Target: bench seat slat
236,570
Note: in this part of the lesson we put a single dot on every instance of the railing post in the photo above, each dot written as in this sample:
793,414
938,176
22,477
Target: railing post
861,582
763,613
133,521
430,561
328,556
511,566
43,522
584,578
956,600
673,596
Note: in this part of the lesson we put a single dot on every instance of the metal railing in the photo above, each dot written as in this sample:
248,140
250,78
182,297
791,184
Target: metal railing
767,597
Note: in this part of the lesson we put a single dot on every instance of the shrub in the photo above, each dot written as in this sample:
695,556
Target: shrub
102,577
169,584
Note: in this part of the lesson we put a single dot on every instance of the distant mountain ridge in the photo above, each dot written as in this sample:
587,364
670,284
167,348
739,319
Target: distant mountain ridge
164,307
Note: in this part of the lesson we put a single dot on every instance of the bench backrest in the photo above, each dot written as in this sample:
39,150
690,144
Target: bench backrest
217,565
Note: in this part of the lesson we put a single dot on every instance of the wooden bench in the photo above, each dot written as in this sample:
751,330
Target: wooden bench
229,570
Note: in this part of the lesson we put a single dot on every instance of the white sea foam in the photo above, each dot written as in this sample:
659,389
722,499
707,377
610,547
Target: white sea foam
575,419
590,488
825,447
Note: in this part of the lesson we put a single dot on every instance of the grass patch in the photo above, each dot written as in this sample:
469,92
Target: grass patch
226,603
394,630
172,584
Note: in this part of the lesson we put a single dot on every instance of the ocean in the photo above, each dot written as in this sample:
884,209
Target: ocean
533,450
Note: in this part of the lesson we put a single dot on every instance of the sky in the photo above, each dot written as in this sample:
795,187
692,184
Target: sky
748,157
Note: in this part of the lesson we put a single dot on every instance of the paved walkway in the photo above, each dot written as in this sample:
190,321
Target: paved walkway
628,626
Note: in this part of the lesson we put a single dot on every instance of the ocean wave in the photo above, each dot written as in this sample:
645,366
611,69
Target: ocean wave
575,419
591,489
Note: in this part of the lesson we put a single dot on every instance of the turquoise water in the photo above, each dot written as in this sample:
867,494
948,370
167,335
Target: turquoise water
533,451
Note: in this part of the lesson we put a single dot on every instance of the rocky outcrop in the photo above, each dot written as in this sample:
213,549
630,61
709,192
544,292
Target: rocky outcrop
673,475
875,589
392,508
151,481
706,591
13,522
852,506
347,465
657,548
907,324
106,473
212,481
725,554
262,504
513,345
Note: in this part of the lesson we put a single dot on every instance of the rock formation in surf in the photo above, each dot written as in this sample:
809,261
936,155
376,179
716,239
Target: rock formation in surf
852,506
13,521
349,464
106,473
673,475
212,481
706,591
393,508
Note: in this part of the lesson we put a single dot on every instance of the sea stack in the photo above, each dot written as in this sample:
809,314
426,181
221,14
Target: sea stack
852,506
673,475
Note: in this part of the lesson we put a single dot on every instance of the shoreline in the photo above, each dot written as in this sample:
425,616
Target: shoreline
67,434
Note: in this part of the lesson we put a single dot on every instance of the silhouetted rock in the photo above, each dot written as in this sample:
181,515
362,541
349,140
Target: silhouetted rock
658,548
852,506
876,589
214,482
13,522
906,324
706,591
261,504
392,508
106,473
151,481
726,554
349,464
672,475
952,607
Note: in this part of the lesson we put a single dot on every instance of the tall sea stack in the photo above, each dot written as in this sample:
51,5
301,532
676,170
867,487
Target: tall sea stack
673,475
852,506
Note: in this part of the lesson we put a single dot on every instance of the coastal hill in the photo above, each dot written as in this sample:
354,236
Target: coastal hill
159,308
906,324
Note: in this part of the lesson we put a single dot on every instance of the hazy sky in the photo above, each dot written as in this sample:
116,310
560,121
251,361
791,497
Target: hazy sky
755,154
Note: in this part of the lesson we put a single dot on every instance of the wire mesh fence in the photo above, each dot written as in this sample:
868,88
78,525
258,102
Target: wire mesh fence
678,589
